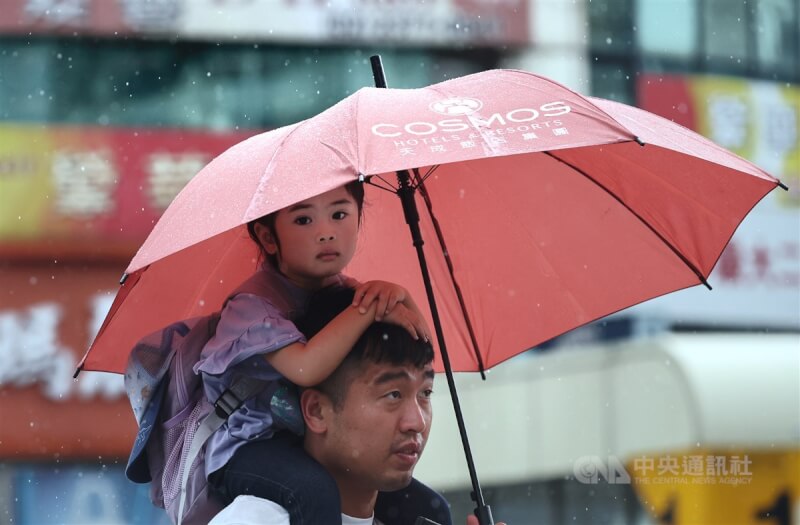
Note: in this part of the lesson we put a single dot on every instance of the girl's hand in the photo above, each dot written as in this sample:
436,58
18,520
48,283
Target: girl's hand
408,319
387,295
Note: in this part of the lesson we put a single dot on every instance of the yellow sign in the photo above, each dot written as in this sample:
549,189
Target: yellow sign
25,184
708,487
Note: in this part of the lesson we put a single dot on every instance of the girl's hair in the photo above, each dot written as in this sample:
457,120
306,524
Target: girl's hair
354,188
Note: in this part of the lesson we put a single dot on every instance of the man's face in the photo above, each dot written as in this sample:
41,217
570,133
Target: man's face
377,434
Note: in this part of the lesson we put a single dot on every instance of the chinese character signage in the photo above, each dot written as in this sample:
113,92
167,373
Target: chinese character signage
493,22
757,280
48,315
93,191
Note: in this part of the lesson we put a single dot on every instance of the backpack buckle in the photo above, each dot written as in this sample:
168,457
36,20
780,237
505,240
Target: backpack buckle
227,404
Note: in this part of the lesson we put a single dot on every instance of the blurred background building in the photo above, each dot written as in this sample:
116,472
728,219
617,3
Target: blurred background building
683,410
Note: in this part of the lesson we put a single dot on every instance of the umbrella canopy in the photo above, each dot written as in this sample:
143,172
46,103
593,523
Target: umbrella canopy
541,211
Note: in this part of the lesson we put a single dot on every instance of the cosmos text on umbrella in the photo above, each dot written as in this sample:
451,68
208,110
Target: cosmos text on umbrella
463,117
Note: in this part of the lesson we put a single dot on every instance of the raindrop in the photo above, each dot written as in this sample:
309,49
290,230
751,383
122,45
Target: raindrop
609,40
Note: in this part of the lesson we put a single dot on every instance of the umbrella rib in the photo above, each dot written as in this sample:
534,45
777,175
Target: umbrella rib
425,177
388,186
440,237
686,261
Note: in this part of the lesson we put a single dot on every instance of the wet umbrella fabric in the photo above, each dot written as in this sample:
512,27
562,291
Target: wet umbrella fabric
541,211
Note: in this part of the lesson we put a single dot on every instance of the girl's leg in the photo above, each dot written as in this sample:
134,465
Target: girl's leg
279,470
403,506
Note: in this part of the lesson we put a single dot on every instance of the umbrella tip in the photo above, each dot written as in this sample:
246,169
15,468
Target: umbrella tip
377,71
77,371
639,141
123,279
783,186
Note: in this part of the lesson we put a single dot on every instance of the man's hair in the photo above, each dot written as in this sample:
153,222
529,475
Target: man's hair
354,188
381,343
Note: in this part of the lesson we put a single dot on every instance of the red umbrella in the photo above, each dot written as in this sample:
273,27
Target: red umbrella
540,210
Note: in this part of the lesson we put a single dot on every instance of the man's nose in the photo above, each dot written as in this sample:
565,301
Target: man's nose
415,417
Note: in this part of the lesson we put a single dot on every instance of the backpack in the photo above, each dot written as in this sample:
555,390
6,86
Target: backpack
176,419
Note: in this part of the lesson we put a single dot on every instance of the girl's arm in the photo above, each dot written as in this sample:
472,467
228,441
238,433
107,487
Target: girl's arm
307,364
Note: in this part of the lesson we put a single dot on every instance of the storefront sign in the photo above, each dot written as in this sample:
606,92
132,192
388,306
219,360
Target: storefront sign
48,316
491,22
93,192
757,280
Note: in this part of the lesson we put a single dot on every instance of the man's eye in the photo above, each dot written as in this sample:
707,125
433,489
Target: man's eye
339,215
303,220
395,394
427,393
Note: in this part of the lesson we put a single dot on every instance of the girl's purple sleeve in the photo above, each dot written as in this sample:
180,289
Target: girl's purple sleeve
250,325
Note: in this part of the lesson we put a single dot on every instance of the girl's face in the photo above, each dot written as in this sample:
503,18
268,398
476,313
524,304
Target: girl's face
316,238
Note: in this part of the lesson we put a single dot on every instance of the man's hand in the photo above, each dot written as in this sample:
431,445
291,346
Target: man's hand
473,520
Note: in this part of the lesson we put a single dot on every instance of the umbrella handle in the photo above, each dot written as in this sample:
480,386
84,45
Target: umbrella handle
406,193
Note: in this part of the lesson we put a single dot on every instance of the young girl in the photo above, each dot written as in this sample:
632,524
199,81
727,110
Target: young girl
257,451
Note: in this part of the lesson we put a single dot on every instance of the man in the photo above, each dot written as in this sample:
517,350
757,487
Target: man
367,424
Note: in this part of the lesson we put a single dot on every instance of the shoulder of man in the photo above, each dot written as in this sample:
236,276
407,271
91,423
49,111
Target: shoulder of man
250,510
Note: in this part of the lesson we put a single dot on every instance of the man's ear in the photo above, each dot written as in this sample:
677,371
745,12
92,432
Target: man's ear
316,408
266,238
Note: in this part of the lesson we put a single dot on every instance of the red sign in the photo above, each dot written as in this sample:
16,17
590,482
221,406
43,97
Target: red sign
48,314
93,192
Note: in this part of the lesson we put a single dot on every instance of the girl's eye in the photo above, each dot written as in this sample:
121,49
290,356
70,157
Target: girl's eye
302,220
339,215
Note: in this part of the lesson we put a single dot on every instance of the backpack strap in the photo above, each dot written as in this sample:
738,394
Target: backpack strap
227,403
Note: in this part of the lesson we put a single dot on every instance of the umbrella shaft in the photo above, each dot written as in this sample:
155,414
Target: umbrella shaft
406,193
